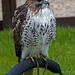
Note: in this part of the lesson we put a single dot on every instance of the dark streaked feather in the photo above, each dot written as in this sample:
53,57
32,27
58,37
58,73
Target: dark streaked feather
20,14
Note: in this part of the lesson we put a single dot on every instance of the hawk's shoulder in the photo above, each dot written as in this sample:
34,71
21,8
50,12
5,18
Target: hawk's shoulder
19,14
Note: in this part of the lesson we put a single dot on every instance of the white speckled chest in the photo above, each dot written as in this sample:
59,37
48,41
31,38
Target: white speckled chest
38,31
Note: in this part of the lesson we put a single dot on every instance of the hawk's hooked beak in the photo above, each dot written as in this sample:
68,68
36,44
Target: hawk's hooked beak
45,3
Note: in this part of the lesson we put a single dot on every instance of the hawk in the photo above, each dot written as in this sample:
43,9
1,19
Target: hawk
34,27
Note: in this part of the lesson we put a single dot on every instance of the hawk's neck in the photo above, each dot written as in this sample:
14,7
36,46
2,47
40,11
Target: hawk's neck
39,10
42,16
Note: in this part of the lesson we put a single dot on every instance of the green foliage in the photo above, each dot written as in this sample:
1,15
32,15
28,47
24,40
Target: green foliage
7,52
62,50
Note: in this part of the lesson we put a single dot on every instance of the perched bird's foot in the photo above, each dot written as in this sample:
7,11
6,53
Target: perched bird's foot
30,57
43,57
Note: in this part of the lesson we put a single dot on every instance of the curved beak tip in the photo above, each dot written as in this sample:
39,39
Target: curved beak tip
46,2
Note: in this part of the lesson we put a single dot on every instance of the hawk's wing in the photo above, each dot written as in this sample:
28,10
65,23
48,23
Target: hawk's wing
17,21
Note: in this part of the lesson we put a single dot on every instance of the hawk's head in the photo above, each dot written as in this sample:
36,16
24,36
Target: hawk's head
43,3
37,3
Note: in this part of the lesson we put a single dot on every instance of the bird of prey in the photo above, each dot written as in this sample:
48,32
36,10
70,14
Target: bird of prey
34,27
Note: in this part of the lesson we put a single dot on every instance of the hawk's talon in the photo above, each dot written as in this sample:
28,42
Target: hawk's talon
30,57
43,58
